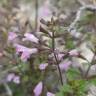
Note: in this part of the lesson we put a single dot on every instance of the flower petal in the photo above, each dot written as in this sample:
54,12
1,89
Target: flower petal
11,36
73,52
38,89
25,55
30,37
26,52
44,11
16,79
50,94
10,77
43,66
65,65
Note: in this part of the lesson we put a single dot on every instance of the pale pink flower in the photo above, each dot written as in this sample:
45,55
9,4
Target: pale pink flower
73,52
65,66
38,89
60,56
20,48
25,55
30,37
43,66
10,77
44,11
50,94
12,36
26,52
16,79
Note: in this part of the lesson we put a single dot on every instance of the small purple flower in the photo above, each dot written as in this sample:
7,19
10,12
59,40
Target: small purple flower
73,52
12,36
43,66
20,48
38,89
44,11
60,56
10,77
26,52
25,55
50,94
65,66
30,37
16,79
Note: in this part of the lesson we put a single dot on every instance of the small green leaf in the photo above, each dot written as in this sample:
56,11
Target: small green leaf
65,90
72,73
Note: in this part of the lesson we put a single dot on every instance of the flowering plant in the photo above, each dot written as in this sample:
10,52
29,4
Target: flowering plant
49,60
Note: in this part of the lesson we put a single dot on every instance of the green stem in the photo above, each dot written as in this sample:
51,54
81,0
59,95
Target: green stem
57,63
